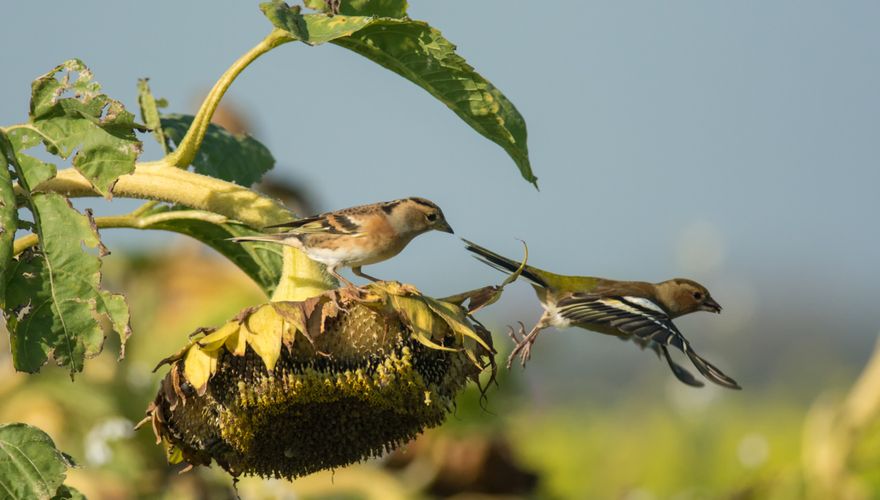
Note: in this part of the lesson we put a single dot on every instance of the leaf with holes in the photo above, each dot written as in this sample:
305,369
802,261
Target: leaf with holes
379,8
54,301
71,114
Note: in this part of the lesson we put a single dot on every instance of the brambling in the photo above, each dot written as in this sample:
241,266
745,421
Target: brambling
358,236
634,310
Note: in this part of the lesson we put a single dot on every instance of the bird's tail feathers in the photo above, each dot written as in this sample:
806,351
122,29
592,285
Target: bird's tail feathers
502,263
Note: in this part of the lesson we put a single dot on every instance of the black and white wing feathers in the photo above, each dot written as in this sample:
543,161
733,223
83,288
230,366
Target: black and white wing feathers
645,321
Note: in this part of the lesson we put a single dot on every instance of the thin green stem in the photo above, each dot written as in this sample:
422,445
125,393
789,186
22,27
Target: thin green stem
143,208
189,146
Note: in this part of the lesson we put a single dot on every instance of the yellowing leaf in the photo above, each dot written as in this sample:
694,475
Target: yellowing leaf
456,319
416,314
217,338
264,334
237,342
199,366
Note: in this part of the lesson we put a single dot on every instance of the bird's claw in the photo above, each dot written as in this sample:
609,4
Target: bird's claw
523,342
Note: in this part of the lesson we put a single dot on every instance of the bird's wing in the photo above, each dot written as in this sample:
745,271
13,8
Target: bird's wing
332,223
643,319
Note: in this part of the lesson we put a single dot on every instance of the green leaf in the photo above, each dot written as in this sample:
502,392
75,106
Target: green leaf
8,211
419,53
312,29
379,8
236,158
260,261
72,114
30,465
150,112
54,303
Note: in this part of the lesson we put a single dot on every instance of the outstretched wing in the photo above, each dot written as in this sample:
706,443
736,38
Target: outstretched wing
642,319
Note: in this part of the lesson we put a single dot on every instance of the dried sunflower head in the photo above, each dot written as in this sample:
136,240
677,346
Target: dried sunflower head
290,388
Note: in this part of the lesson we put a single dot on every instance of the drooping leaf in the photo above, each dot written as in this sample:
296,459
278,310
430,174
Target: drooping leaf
235,158
150,112
264,334
8,212
419,53
54,302
30,465
198,366
378,8
260,261
72,114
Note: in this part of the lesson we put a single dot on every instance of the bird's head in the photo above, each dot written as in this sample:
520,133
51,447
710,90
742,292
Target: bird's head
683,296
417,215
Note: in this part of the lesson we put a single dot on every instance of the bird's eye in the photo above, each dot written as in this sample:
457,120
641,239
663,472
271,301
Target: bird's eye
698,295
431,217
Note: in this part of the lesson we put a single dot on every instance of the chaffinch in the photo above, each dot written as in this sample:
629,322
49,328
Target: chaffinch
635,310
358,236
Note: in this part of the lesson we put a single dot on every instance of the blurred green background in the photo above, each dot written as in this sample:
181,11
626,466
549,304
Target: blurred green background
733,143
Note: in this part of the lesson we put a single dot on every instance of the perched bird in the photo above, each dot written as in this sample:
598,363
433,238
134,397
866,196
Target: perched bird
358,236
642,312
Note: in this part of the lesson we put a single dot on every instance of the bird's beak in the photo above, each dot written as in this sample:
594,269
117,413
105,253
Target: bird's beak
711,306
444,226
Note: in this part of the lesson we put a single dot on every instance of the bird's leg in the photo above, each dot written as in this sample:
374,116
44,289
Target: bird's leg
357,272
524,345
335,274
406,288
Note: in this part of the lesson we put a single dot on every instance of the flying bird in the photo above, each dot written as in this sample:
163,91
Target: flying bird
636,310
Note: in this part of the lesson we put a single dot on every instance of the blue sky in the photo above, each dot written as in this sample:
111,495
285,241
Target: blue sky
737,143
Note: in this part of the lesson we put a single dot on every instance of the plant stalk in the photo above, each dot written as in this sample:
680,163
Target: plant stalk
186,151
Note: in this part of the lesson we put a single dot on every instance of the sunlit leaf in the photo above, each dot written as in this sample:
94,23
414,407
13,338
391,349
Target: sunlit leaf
235,158
218,337
264,334
379,8
71,114
30,465
150,112
312,29
54,301
419,53
419,318
456,319
8,212
198,366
